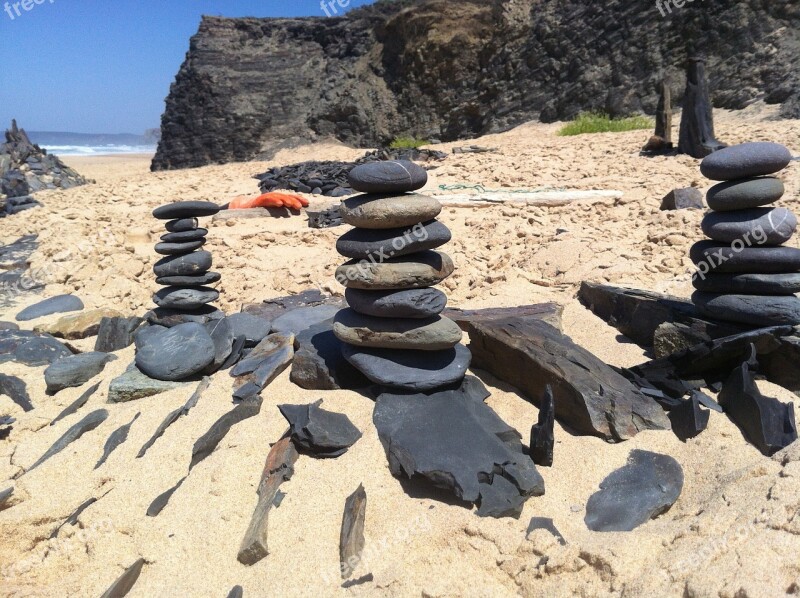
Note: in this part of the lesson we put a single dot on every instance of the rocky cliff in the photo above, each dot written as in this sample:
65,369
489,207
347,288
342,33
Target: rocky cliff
449,69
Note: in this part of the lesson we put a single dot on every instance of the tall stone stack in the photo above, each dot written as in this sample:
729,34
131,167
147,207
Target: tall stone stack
184,269
393,331
745,273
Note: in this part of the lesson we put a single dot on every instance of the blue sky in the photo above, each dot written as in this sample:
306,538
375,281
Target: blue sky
105,66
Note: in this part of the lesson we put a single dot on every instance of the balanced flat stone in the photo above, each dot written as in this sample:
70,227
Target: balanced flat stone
53,305
745,160
748,284
755,310
190,281
393,211
758,226
719,257
178,248
176,353
75,370
184,236
745,193
431,334
410,370
185,298
186,209
423,269
391,176
161,316
181,225
392,242
191,264
408,303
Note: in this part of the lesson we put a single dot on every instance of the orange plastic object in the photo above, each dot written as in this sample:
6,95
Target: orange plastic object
269,200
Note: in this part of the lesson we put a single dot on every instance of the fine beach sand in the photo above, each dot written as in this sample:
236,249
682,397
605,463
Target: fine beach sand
734,532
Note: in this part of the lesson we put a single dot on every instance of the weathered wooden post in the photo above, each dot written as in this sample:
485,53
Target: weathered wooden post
697,121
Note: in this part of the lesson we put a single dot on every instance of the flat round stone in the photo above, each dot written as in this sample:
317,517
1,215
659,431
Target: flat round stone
391,176
168,318
53,305
176,353
744,194
392,211
190,281
181,224
719,257
184,236
755,310
758,226
748,284
410,370
186,209
745,160
185,297
409,303
431,334
392,242
410,272
178,248
190,264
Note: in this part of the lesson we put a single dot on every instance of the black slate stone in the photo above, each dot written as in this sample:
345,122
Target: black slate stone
707,401
687,198
181,225
236,592
688,419
382,244
116,333
745,160
162,316
318,362
178,248
457,443
765,422
543,433
754,310
8,326
209,441
408,303
162,500
176,353
758,226
748,284
16,390
184,236
393,176
190,281
319,433
6,422
253,328
297,320
118,437
75,370
221,333
188,298
174,416
410,370
643,489
74,516
191,264
237,352
186,209
262,365
744,193
125,582
87,424
30,348
53,305
77,404
719,257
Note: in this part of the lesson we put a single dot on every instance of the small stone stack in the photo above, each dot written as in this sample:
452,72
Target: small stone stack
184,271
393,331
745,274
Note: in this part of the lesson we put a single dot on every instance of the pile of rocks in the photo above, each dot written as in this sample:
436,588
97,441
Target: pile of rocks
745,274
25,168
393,331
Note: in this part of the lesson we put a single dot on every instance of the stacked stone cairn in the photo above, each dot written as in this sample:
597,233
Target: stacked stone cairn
745,273
393,331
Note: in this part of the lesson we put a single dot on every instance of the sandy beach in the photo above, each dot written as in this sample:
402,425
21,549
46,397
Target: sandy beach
734,532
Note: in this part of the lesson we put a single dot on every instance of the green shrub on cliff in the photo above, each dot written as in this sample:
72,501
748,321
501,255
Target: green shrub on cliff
408,143
593,122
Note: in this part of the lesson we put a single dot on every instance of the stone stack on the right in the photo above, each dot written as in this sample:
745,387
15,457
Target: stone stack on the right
745,273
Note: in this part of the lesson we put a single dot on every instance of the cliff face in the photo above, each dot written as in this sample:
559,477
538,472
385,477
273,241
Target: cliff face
449,69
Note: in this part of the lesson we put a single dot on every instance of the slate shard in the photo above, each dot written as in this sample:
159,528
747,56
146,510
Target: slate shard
262,365
126,581
53,305
5,496
351,537
16,390
765,422
6,422
77,404
319,433
236,592
688,420
175,416
162,500
118,437
116,333
318,362
206,444
73,519
642,490
543,433
87,424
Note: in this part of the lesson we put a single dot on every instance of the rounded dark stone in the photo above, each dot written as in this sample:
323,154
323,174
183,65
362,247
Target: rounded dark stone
744,194
185,297
409,303
745,160
184,236
424,269
392,242
190,281
748,284
179,248
429,334
182,224
175,353
758,226
190,264
168,318
389,211
719,257
186,209
53,305
755,310
253,328
392,176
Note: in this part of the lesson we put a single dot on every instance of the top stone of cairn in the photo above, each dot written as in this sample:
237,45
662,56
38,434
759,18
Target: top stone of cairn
395,176
745,160
186,209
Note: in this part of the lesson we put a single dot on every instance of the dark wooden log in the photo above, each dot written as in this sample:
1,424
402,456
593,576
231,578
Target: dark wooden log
661,141
697,120
547,312
351,538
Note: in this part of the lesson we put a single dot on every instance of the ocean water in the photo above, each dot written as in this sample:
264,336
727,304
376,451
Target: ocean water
92,144
98,150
